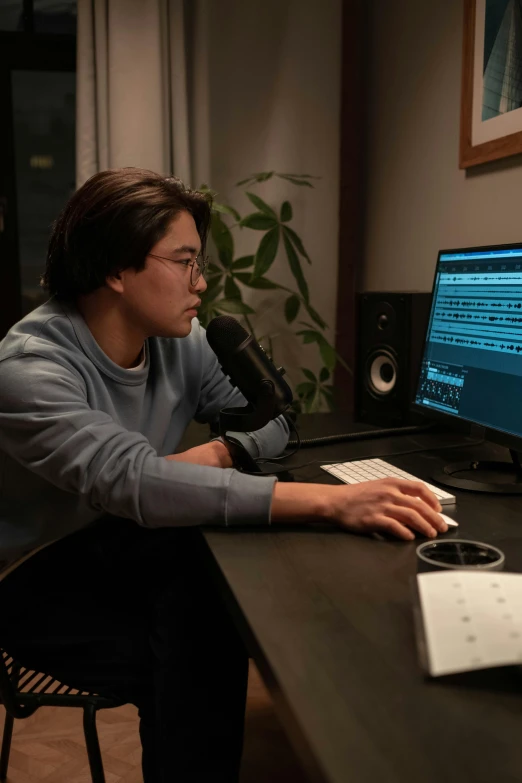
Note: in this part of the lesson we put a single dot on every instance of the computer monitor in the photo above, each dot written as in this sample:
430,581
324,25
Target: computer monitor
471,369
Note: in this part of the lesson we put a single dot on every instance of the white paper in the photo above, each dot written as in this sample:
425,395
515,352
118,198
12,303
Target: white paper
472,620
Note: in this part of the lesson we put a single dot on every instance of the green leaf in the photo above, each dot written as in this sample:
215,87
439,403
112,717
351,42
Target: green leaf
262,205
310,396
234,306
223,240
328,354
286,211
295,266
296,240
226,210
324,374
214,269
314,315
262,177
296,181
328,396
207,313
259,221
305,388
292,306
210,296
243,263
309,374
300,176
266,252
320,339
232,289
309,336
212,284
314,404
255,282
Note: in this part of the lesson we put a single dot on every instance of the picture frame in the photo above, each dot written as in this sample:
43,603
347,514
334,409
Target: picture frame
491,102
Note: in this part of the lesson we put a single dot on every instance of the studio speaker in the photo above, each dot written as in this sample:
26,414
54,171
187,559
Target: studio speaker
391,332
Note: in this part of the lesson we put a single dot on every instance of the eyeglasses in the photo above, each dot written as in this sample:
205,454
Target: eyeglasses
198,267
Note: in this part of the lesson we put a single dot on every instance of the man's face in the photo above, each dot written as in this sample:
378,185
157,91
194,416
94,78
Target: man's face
161,299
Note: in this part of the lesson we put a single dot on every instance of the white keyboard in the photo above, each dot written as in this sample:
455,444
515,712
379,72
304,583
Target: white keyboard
372,469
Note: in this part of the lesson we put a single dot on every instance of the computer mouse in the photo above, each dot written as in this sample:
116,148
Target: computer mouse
449,521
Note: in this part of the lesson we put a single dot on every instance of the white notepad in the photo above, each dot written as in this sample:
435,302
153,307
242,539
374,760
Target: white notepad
471,620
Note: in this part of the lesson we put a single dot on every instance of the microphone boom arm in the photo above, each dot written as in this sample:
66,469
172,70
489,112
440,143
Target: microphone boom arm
250,418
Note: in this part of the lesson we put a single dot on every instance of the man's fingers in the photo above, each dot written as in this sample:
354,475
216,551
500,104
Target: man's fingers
394,528
424,510
412,518
420,490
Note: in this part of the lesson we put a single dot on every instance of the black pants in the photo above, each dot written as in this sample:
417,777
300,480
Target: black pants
132,612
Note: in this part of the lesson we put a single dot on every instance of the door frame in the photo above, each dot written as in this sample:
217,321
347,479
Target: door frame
352,197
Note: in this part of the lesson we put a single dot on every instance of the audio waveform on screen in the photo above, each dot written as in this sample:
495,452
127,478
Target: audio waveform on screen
481,311
478,317
466,278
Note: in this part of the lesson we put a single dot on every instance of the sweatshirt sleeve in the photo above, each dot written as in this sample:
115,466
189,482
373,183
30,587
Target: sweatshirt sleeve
217,392
47,425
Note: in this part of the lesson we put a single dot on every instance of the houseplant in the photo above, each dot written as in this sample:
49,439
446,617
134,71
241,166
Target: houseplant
228,277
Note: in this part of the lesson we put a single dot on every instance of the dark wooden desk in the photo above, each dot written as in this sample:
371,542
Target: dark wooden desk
327,616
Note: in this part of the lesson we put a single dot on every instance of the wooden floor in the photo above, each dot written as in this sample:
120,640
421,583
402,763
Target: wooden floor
50,745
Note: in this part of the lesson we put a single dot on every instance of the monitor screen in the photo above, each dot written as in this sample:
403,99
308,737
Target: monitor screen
472,362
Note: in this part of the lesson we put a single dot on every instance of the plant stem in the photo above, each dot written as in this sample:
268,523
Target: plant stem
250,327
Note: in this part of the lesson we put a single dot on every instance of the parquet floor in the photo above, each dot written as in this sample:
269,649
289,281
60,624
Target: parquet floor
50,745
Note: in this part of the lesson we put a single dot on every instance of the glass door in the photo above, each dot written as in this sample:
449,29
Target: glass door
37,143
43,122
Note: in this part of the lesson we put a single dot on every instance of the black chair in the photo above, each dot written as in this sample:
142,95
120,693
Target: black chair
23,691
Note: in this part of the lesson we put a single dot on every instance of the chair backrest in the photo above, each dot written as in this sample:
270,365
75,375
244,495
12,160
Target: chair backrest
23,690
9,674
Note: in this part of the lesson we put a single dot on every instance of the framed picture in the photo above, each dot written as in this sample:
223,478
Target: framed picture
491,108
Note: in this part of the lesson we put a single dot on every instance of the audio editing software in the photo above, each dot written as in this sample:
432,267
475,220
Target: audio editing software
441,386
472,364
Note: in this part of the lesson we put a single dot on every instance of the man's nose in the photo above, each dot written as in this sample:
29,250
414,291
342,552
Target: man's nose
201,285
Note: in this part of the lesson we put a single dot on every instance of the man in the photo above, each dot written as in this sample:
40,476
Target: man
105,584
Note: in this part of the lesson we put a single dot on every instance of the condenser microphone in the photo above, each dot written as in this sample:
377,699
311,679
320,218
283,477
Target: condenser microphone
252,372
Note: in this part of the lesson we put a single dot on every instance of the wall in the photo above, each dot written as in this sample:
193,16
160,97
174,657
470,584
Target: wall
274,91
418,199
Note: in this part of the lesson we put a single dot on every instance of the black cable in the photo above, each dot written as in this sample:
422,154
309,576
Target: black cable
364,435
400,453
297,443
377,456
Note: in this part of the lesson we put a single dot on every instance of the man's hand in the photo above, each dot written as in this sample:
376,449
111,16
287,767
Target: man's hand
393,506
214,454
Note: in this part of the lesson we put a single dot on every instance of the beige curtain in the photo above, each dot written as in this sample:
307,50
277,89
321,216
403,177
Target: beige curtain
137,82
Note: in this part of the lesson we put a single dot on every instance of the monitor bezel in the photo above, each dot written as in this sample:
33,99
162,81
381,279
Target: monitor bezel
459,423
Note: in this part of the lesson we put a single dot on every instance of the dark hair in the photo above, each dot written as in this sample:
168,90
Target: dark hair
111,223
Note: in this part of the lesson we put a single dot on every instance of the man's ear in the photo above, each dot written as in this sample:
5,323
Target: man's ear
116,282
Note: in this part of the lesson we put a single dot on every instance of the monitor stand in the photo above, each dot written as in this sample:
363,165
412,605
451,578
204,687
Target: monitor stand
484,476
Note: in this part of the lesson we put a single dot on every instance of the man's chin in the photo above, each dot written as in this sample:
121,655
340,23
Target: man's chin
184,326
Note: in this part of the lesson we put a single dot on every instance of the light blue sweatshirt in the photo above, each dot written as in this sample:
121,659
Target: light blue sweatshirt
81,437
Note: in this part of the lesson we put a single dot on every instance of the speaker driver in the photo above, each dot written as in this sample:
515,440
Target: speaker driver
382,372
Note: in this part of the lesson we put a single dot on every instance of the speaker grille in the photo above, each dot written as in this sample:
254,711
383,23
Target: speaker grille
392,328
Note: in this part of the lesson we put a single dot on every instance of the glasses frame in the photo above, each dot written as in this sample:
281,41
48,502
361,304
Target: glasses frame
198,267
